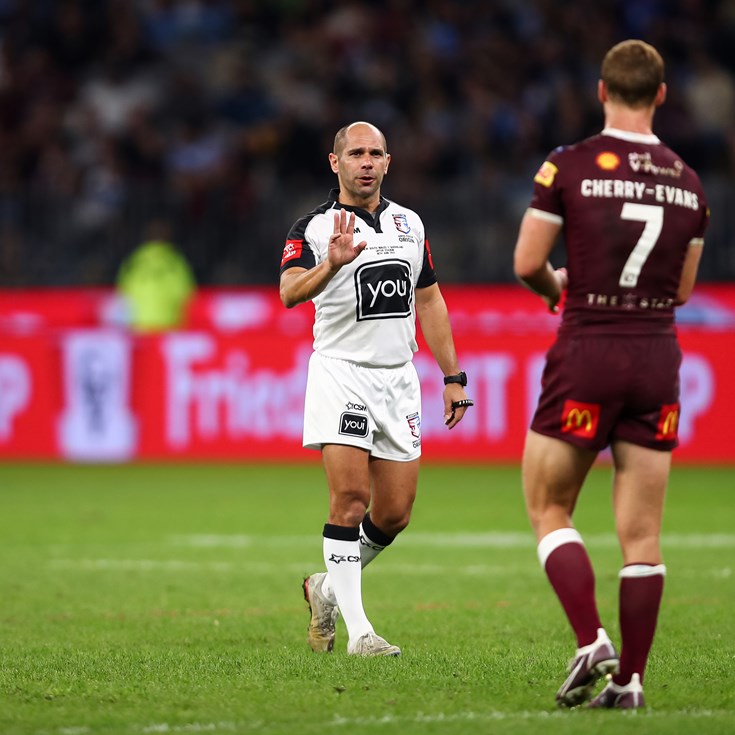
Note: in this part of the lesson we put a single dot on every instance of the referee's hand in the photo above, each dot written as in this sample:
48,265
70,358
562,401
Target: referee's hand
342,249
455,404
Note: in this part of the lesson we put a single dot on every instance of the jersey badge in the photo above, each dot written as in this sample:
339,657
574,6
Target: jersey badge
668,422
414,424
607,161
401,223
546,174
580,419
292,250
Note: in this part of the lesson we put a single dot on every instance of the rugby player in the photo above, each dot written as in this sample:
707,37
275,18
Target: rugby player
365,262
633,217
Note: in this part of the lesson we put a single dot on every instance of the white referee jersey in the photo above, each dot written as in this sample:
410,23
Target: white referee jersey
367,312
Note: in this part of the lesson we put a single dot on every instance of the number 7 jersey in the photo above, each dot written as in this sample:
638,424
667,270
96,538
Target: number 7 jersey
629,209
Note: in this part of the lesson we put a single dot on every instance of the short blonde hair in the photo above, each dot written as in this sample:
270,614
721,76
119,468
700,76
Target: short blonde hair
633,71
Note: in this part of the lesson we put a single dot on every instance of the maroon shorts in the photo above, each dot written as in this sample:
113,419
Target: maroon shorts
596,389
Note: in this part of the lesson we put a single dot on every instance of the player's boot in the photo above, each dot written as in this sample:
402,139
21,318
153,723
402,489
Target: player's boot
616,696
324,614
589,664
372,644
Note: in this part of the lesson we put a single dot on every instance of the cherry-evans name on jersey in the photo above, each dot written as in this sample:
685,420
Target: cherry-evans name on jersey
626,189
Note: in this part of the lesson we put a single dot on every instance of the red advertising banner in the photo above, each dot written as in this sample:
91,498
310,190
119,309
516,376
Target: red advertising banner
76,386
30,395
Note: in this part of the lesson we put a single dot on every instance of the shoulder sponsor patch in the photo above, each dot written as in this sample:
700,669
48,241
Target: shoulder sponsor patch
292,250
607,161
546,174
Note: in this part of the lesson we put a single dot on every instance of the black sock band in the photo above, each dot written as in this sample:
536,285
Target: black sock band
341,533
374,533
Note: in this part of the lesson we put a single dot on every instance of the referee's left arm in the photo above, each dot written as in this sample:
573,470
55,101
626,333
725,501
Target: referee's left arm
432,313
433,316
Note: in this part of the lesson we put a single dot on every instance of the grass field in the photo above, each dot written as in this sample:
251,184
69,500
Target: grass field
166,599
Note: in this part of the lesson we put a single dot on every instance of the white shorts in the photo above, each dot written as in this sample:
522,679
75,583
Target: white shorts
378,409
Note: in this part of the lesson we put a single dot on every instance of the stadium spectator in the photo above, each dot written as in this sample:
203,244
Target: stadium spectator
709,92
633,216
472,93
363,402
156,283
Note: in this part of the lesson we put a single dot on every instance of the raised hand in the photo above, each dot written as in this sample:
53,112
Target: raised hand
342,249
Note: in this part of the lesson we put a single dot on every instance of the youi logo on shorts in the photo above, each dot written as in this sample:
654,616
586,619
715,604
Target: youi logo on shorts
384,290
353,424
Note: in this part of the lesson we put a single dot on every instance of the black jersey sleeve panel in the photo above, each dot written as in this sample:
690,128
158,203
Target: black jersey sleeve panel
427,277
297,251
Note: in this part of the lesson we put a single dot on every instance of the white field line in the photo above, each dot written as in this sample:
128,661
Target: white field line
181,565
494,716
488,540
270,568
164,727
352,723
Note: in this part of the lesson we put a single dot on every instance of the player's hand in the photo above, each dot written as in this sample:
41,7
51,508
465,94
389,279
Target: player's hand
342,249
455,404
562,278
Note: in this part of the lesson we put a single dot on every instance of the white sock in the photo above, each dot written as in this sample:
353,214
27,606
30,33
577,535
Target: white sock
369,549
344,573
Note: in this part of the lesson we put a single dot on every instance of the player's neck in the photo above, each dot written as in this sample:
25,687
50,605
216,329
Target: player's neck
629,120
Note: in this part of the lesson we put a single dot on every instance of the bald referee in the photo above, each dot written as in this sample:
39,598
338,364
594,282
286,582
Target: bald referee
365,262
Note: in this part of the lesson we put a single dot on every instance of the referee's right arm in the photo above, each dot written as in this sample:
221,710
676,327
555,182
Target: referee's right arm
299,284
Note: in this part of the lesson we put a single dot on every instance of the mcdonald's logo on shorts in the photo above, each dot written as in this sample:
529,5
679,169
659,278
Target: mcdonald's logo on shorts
580,419
668,422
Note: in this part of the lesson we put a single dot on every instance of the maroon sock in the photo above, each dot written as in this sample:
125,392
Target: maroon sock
570,572
641,589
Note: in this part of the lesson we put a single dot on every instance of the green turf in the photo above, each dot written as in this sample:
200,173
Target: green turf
166,599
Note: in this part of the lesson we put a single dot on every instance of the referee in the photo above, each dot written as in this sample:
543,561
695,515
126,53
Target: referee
365,262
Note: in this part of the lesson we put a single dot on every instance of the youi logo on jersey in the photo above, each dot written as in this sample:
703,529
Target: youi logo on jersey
383,290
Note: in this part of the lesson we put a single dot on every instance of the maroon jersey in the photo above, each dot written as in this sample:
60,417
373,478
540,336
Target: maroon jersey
630,208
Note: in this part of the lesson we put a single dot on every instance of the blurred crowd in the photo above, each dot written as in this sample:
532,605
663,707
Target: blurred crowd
216,116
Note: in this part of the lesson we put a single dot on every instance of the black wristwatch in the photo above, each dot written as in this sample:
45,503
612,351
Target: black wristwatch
460,378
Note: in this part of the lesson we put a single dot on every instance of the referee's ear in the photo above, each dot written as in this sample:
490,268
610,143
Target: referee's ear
334,163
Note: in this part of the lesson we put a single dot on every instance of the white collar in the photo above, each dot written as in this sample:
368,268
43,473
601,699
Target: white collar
632,137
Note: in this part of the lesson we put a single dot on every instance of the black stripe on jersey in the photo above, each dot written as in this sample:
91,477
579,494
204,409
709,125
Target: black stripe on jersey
297,233
427,277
